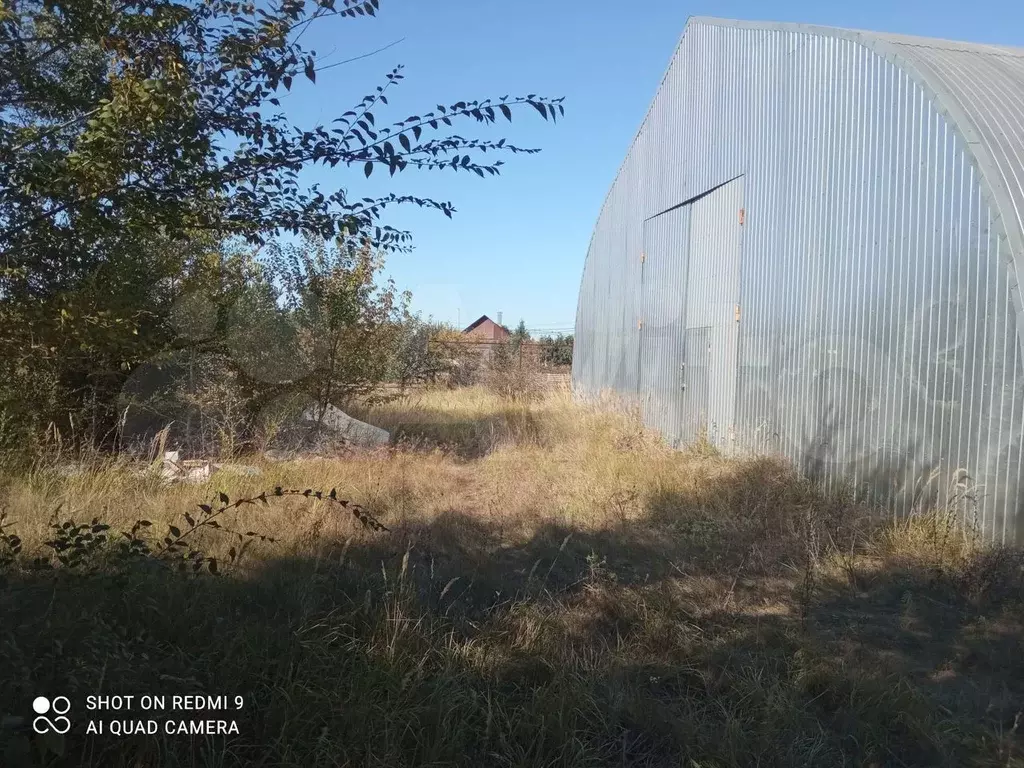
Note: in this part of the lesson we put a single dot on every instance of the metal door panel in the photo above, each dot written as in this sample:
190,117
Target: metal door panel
696,369
661,324
713,291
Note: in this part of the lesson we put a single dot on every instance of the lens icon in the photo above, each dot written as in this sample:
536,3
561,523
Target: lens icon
60,706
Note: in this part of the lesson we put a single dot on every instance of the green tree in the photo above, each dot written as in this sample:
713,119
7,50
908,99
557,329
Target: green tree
345,321
519,337
137,138
160,115
556,350
423,352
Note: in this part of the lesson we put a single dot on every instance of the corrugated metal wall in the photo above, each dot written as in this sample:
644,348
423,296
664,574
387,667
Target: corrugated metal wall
661,319
877,340
713,296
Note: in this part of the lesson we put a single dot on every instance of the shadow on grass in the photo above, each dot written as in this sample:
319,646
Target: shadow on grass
953,636
669,640
466,438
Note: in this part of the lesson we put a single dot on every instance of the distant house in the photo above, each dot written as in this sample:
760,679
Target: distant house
486,331
483,334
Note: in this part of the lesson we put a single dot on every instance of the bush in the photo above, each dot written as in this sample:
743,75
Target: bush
196,397
511,377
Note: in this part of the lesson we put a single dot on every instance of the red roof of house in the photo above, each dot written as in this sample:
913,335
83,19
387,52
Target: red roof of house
497,330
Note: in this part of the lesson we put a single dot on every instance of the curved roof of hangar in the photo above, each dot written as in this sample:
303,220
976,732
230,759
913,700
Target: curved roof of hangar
979,88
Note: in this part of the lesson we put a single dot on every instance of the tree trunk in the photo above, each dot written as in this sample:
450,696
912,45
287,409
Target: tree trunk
332,361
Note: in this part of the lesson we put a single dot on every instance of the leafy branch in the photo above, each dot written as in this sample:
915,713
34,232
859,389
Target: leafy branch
85,544
143,143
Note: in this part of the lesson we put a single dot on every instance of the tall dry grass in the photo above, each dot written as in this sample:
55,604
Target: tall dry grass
555,587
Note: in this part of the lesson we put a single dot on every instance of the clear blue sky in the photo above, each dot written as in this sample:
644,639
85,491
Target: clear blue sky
518,241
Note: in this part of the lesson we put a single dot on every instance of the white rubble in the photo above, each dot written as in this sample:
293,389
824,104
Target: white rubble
351,430
174,469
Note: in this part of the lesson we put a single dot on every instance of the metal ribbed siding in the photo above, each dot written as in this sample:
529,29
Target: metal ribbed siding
877,341
662,309
713,294
981,90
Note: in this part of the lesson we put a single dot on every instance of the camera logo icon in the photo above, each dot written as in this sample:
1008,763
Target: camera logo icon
60,706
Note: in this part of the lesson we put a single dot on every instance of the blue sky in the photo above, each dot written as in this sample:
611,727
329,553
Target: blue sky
518,241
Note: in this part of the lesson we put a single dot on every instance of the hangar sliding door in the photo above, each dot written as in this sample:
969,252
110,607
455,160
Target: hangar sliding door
713,315
661,321
688,318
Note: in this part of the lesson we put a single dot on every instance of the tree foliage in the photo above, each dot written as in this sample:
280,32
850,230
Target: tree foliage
313,326
519,337
556,350
140,140
427,351
159,115
344,320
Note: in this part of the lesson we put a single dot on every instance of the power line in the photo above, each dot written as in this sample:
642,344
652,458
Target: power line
362,56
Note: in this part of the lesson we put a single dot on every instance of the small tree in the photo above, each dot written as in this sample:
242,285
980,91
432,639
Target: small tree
463,362
517,340
423,352
344,321
218,405
506,376
519,336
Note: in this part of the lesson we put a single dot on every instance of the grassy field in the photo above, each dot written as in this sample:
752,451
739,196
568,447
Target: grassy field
554,588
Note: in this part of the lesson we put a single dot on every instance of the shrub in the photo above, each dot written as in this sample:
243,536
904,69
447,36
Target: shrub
511,377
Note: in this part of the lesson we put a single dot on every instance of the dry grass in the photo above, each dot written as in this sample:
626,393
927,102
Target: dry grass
555,588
